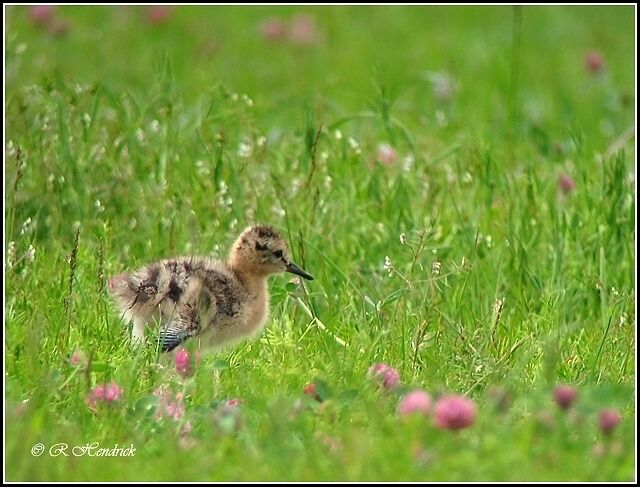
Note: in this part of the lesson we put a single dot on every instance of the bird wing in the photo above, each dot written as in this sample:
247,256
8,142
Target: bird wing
193,310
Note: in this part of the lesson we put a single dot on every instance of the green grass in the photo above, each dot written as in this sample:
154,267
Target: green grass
127,136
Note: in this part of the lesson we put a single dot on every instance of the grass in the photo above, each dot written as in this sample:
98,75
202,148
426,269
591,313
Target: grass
128,141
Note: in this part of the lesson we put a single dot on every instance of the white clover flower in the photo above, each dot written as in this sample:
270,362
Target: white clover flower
450,174
30,255
11,254
497,306
244,149
248,101
435,267
407,163
27,226
202,168
355,146
327,182
296,183
444,85
403,239
388,265
337,134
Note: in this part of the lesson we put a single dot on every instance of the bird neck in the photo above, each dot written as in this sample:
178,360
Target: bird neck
256,284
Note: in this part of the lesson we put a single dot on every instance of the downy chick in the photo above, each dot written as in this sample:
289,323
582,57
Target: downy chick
219,303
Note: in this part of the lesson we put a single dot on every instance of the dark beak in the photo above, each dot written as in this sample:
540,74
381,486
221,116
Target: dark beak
294,269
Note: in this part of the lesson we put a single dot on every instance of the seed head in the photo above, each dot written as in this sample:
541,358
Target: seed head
608,420
77,358
386,154
42,14
303,30
415,402
183,363
454,412
385,375
104,394
594,62
566,183
273,29
565,396
158,14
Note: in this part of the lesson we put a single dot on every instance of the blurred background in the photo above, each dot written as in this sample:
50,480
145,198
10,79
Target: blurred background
460,181
207,83
330,56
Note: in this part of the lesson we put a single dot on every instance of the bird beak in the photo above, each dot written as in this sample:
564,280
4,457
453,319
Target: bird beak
294,269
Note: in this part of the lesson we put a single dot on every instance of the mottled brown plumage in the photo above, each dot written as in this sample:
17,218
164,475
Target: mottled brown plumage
200,297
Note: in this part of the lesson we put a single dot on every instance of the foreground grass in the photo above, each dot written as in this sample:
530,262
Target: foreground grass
127,142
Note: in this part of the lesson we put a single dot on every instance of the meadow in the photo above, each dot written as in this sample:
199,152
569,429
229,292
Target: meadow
460,181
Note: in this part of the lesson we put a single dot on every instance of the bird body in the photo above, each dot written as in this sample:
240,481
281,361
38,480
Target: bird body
219,303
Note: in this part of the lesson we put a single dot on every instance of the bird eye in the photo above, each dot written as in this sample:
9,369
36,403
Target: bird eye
278,254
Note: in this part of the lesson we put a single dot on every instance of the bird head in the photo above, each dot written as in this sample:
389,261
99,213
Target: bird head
262,251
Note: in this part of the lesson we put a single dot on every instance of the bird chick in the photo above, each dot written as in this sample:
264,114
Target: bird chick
220,303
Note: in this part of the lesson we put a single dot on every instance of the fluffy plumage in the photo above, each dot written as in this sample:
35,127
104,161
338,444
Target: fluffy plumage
217,302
